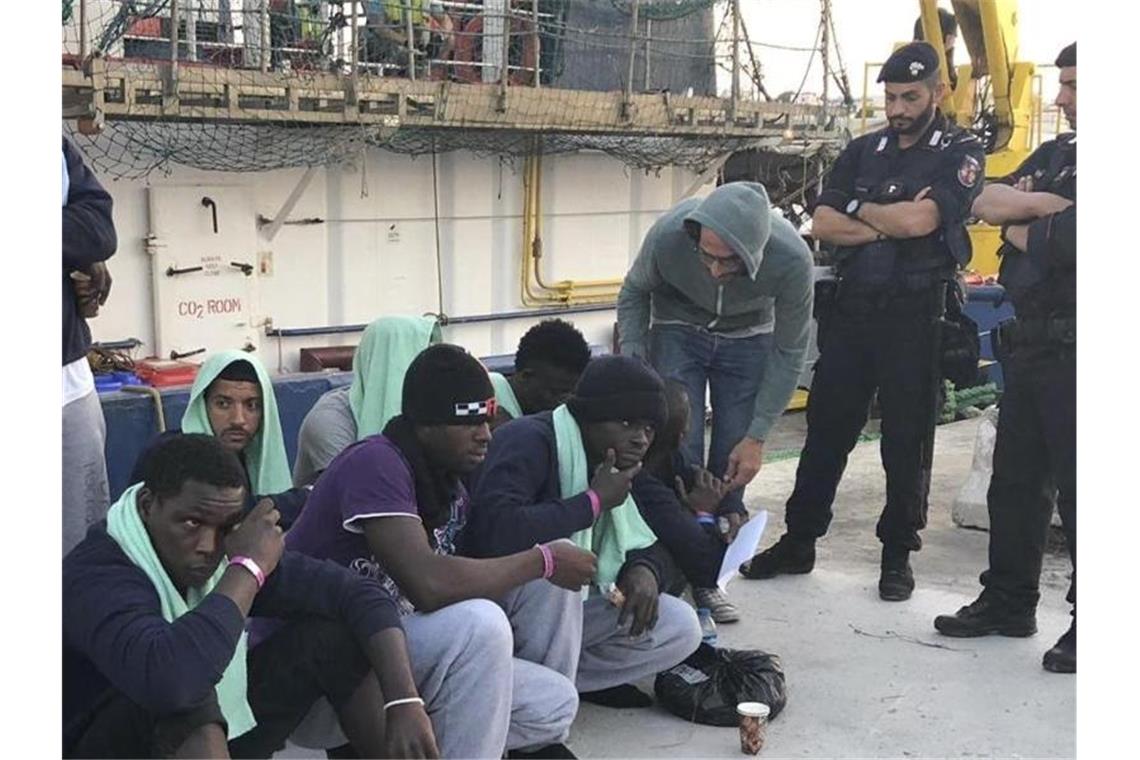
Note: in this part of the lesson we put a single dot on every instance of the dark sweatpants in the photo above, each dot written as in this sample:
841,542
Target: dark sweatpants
286,673
1035,457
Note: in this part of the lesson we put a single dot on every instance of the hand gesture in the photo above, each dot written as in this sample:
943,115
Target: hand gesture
574,567
258,537
611,484
639,587
706,493
743,463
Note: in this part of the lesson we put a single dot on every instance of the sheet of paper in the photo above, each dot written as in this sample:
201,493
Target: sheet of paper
742,549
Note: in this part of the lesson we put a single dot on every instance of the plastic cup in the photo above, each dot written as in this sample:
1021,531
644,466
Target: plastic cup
753,726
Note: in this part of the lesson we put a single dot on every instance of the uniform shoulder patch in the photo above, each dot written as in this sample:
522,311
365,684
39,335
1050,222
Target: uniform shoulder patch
969,171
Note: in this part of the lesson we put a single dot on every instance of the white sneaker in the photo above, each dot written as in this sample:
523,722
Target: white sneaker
723,611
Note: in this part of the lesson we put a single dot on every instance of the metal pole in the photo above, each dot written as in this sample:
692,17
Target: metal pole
173,41
504,71
355,50
735,56
648,37
83,32
191,34
266,43
407,11
825,43
537,45
632,58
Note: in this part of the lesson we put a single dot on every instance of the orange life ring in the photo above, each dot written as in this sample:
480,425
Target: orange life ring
468,53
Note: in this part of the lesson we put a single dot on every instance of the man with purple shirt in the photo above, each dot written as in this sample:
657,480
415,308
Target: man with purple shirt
391,507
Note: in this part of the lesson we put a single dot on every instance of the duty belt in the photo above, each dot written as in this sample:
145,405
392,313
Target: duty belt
1034,331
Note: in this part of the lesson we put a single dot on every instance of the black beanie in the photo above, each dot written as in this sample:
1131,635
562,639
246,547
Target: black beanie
619,388
445,385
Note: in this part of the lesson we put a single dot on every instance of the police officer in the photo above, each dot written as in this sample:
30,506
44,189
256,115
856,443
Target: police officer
895,206
1036,448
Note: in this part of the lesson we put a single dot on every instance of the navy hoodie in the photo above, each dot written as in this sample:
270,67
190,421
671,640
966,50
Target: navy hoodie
88,238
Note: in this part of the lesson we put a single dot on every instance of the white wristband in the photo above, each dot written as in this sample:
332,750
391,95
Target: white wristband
405,701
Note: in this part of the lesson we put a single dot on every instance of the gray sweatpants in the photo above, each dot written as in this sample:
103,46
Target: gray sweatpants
479,697
86,494
552,626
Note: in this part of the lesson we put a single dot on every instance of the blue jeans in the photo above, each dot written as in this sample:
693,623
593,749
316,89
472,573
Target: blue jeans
731,368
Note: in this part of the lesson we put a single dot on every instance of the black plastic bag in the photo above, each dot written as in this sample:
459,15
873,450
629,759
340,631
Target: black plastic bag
708,685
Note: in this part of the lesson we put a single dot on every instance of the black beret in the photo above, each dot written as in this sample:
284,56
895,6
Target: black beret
1067,57
912,62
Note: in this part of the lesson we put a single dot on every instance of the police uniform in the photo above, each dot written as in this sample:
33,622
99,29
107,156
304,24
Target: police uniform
881,329
1035,451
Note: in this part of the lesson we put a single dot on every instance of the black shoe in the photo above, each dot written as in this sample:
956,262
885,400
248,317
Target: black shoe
985,617
788,556
1062,658
626,695
549,752
896,580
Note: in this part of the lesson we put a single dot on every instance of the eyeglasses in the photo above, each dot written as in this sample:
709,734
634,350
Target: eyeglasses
733,264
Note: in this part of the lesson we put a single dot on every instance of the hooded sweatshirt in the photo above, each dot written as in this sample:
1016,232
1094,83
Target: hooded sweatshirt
668,284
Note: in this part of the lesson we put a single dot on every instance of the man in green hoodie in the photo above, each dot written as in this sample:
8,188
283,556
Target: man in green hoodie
720,296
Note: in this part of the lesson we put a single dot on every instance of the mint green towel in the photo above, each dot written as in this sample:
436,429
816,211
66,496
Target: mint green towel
388,346
618,530
505,395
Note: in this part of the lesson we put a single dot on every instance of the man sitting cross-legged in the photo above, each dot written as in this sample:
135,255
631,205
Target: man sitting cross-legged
154,607
392,507
549,360
566,474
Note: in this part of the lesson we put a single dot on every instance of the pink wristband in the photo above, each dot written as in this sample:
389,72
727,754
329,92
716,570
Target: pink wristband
547,561
595,502
251,566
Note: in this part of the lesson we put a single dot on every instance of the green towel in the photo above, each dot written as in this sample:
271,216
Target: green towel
618,530
386,349
505,395
265,458
125,525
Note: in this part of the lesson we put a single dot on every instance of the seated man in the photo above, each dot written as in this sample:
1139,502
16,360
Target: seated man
232,399
155,599
679,502
392,507
536,487
354,412
549,360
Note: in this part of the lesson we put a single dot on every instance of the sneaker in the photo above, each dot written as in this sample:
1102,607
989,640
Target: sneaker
987,616
1062,658
896,579
723,611
623,696
789,556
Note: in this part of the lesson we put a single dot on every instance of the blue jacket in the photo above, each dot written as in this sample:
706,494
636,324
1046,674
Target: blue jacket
88,238
115,638
516,498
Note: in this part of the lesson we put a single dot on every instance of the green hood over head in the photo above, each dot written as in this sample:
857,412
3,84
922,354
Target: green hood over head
388,346
265,459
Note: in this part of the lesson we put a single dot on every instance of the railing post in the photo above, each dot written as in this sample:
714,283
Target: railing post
407,11
627,104
735,58
83,43
505,69
266,30
537,45
173,46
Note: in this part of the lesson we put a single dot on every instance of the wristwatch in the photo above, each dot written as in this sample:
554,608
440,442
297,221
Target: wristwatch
853,206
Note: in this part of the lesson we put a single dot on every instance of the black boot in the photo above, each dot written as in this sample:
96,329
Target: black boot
549,752
986,616
626,695
896,580
1062,658
789,556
